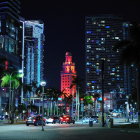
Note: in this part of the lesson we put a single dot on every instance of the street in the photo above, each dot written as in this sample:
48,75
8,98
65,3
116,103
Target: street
65,132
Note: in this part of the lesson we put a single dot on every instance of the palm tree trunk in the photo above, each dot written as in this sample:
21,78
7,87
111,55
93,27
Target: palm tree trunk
138,94
12,107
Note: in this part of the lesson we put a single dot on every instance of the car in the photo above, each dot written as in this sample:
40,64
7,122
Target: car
56,119
53,120
85,120
37,120
49,120
66,119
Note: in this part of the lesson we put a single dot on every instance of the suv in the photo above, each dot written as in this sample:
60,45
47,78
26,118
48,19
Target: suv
66,119
35,121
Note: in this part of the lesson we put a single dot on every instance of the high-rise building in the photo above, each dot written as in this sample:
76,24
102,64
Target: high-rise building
67,76
34,42
9,27
101,34
9,39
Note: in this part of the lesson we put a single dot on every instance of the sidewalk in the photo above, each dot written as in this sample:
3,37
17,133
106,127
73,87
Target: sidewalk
3,122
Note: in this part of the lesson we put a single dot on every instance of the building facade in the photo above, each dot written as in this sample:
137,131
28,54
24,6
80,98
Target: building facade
9,40
67,76
101,34
9,31
33,50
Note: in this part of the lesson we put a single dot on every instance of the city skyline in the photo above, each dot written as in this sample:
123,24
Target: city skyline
70,64
64,29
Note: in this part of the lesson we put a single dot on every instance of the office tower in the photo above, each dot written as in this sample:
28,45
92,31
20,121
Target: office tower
101,34
34,39
67,75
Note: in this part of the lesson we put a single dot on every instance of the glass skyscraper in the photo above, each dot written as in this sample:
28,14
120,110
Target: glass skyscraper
101,34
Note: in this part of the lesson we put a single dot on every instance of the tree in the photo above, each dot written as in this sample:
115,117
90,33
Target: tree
76,81
130,54
11,80
51,95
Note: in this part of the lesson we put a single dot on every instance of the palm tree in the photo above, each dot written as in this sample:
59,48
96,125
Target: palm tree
130,54
67,99
11,80
78,83
51,94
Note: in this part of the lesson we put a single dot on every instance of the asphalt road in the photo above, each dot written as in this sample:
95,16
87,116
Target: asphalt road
66,132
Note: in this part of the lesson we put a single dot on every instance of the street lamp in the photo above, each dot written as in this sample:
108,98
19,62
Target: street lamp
23,34
43,84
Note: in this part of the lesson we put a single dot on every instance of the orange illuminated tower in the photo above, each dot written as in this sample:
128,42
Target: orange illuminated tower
67,75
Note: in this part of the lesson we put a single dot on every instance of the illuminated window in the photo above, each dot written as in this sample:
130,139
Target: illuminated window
107,27
116,37
89,46
97,56
88,32
102,21
102,38
113,69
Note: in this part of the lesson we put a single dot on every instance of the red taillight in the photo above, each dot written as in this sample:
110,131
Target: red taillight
61,118
67,118
34,120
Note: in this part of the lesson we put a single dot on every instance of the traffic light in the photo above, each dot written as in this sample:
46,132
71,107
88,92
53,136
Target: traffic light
6,65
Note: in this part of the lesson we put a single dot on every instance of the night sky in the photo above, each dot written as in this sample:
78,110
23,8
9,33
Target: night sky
64,28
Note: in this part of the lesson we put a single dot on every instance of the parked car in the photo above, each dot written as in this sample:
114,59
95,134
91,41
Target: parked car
53,120
87,119
56,119
66,119
49,120
35,121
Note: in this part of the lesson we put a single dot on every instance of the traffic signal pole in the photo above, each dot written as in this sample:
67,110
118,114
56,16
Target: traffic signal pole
103,122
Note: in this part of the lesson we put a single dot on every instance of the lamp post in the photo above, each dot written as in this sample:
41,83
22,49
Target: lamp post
23,34
43,84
